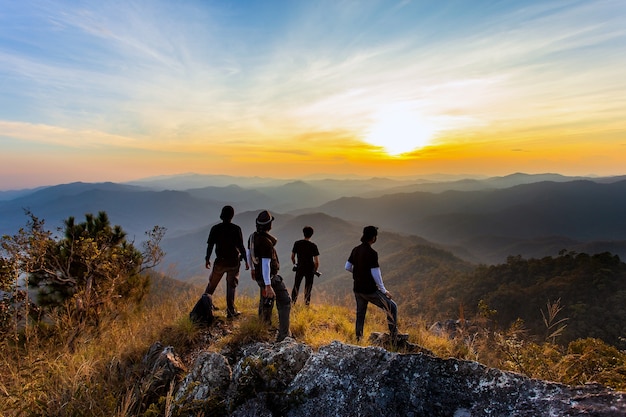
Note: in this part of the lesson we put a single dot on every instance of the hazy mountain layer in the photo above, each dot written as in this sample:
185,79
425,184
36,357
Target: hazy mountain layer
479,220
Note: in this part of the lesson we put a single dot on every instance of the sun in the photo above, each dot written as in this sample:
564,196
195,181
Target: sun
398,129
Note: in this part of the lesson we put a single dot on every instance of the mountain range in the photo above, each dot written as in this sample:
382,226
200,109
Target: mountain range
476,220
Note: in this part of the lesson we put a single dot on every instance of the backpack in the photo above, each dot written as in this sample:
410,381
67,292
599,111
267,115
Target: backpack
202,312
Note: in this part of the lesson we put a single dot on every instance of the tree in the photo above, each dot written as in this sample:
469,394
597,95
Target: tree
20,255
92,269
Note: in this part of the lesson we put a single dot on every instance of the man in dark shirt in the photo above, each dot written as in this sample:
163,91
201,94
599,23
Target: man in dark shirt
305,265
227,239
262,255
368,283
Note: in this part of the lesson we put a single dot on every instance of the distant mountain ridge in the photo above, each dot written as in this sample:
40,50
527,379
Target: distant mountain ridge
480,220
579,211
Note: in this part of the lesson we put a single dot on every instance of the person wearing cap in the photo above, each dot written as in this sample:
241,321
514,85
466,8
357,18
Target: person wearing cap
368,283
227,239
262,254
306,254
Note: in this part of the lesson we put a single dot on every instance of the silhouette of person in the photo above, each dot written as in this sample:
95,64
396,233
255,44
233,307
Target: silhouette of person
305,257
227,239
368,283
262,255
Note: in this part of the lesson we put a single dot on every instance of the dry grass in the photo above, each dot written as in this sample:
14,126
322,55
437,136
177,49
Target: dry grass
47,377
98,375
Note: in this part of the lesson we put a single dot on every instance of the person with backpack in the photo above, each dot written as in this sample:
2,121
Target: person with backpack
305,259
227,239
264,259
368,284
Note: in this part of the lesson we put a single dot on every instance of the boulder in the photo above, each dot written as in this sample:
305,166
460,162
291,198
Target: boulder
344,380
162,369
289,379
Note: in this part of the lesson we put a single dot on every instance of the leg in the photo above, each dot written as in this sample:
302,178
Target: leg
283,305
265,305
214,279
390,307
296,286
361,310
308,286
232,280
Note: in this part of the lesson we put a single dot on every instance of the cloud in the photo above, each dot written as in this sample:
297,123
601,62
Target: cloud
193,76
53,135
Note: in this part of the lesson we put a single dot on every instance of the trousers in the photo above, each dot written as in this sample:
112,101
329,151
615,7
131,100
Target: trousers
308,286
379,299
232,280
283,305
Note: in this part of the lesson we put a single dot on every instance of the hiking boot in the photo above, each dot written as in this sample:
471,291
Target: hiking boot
232,314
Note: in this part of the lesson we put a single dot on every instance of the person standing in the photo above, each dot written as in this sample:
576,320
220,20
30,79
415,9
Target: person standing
227,239
368,283
262,254
305,257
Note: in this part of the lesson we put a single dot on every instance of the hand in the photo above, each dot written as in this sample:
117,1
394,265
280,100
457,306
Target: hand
207,265
268,292
388,294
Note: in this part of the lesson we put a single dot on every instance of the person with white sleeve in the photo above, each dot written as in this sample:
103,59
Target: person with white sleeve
264,260
368,283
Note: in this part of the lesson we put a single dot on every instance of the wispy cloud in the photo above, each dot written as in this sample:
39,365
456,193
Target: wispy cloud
40,134
146,74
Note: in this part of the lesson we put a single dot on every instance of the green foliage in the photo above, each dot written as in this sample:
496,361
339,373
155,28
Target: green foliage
92,269
590,289
87,265
20,255
422,273
592,360
584,361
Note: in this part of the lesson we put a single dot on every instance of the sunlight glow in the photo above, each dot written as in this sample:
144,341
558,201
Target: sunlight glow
399,129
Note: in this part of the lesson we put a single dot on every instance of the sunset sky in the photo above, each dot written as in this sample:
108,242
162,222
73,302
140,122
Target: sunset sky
121,90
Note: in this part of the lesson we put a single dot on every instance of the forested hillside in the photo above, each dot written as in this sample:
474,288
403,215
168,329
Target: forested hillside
591,289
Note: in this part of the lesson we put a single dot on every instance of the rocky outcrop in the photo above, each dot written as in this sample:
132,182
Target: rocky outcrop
162,367
344,380
289,379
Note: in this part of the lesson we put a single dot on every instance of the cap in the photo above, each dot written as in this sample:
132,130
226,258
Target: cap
264,217
368,233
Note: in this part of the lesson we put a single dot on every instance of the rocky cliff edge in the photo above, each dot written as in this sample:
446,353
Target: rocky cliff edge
290,379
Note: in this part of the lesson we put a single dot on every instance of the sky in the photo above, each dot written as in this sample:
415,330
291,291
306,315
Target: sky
121,90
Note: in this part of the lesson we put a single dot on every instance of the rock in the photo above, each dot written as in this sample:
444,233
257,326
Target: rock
289,379
267,368
205,386
162,367
344,380
210,375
